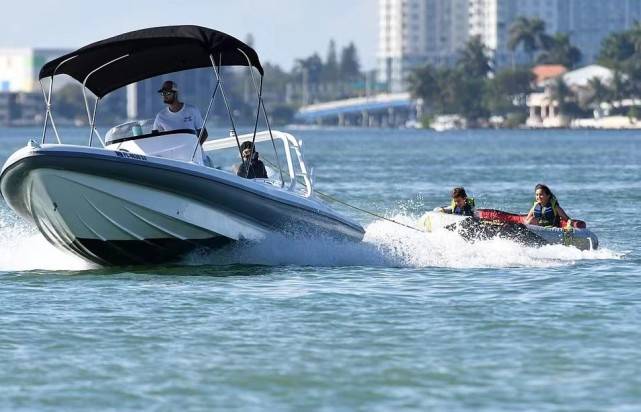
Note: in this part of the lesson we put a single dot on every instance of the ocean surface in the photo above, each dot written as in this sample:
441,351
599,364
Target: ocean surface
403,321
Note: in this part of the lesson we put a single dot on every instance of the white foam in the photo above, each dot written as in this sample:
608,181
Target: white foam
391,245
385,245
23,248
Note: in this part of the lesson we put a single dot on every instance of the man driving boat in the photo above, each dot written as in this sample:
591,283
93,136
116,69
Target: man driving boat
177,115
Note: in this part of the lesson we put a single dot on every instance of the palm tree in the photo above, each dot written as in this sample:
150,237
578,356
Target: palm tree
473,58
426,83
619,86
616,48
530,33
423,83
599,92
635,36
560,51
562,94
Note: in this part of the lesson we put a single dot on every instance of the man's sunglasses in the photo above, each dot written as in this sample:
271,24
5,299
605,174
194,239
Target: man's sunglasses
167,93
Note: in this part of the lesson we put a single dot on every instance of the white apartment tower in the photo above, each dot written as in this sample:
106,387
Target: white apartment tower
416,32
413,33
491,20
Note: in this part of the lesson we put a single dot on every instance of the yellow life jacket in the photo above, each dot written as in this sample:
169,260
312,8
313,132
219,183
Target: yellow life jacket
546,215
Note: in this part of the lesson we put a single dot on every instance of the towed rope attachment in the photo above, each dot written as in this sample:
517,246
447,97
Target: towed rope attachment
367,211
333,199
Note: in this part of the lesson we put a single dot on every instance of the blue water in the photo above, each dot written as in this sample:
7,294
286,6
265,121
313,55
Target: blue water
403,321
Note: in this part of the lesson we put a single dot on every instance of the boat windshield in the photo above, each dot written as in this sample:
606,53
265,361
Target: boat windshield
129,129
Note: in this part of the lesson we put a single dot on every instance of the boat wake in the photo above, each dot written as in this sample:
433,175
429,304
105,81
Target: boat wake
385,245
389,245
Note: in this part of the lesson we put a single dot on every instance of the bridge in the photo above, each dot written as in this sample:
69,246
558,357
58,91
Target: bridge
381,110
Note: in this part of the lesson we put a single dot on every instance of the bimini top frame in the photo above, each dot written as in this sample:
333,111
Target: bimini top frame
115,62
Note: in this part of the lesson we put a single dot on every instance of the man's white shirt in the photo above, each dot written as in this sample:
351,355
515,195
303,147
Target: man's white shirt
188,117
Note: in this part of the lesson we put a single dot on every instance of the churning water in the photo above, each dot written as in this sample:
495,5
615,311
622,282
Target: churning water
404,320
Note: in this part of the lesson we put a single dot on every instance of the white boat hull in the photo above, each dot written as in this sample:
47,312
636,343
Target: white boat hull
115,210
98,218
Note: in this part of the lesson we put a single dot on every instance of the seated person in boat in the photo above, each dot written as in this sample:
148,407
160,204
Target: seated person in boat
251,167
461,204
546,210
177,115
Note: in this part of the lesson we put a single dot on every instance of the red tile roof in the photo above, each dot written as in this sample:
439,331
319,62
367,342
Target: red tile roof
547,71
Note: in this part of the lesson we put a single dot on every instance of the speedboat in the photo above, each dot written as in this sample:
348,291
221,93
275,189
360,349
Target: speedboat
491,223
142,196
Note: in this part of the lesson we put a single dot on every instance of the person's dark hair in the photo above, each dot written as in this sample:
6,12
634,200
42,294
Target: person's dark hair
458,192
545,189
246,145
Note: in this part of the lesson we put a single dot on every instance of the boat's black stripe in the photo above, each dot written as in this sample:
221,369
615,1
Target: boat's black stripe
155,165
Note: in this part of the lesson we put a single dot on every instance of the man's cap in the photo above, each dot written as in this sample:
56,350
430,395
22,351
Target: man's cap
168,86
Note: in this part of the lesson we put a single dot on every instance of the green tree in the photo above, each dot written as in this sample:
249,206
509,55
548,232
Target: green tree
473,58
424,83
599,92
622,52
330,70
619,86
560,51
616,49
564,96
313,66
633,77
349,64
468,96
634,35
529,33
508,90
431,85
275,88
449,91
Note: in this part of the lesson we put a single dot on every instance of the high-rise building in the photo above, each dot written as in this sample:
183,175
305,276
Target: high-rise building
19,67
21,101
413,33
588,22
416,32
491,20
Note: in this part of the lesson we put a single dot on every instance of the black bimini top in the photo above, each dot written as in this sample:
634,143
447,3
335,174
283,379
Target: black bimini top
150,52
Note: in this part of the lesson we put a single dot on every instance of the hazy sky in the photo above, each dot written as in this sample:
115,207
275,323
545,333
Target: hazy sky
283,30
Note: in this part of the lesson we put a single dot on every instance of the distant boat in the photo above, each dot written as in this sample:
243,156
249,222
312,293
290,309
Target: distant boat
448,122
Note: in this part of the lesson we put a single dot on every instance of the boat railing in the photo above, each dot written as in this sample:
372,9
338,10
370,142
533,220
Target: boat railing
296,168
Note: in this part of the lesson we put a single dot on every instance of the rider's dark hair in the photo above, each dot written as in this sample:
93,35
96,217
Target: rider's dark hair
545,189
458,192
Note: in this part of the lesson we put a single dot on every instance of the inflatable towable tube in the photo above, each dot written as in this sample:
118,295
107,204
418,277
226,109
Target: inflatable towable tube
490,223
